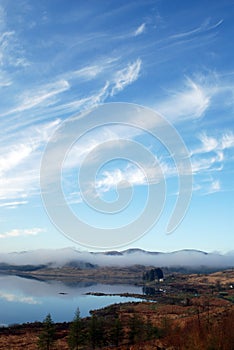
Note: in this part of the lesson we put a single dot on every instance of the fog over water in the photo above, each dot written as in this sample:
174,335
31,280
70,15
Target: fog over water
60,257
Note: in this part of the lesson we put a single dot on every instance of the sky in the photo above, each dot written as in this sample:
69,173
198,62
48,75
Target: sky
60,59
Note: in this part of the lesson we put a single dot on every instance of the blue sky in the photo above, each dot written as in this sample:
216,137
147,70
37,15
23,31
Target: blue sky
59,58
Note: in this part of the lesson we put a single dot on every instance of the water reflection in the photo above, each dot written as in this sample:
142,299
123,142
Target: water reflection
28,300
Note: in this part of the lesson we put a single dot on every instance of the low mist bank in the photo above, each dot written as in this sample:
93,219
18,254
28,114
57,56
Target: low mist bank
66,256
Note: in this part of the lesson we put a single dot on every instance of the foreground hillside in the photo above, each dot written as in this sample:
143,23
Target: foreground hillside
193,311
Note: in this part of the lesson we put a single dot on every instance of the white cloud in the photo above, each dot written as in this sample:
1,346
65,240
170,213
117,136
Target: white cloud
140,29
220,156
215,144
39,96
22,232
13,204
209,186
20,185
111,179
4,44
227,140
89,72
20,163
21,145
202,165
215,186
208,143
92,71
209,158
126,76
204,27
5,82
14,157
189,103
46,96
132,175
81,104
117,82
11,52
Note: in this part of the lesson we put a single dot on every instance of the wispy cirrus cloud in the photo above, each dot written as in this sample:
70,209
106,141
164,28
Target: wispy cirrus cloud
47,96
13,204
189,102
140,30
11,52
214,144
210,157
22,232
204,27
4,44
88,72
4,81
126,76
20,157
193,97
20,164
215,186
12,156
114,83
129,176
41,95
207,158
202,165
23,184
208,186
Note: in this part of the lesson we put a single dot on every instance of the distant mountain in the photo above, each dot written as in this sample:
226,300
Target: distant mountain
71,257
182,260
113,253
137,250
190,251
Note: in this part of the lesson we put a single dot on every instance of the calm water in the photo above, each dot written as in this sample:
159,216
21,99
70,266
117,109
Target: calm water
27,300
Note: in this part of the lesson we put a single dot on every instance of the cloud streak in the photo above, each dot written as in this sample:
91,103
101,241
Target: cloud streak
140,30
39,97
214,144
20,163
189,103
22,232
126,76
20,157
204,27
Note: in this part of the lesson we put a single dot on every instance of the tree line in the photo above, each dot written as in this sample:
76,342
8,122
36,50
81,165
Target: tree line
207,333
97,332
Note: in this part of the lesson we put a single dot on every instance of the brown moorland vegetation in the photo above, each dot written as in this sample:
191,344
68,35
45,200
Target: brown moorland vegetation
195,312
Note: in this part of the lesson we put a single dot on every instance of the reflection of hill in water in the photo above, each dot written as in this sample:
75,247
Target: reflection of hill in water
29,299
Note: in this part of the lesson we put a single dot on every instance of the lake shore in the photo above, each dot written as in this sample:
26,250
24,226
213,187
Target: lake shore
171,321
